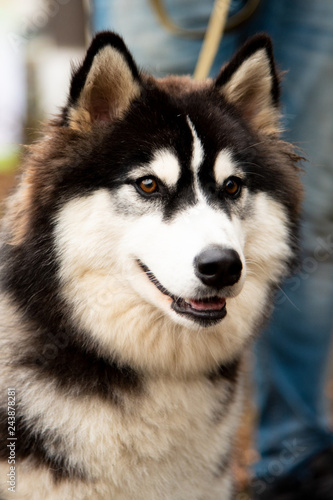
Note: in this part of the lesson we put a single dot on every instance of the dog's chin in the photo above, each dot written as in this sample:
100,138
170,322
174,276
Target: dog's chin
207,311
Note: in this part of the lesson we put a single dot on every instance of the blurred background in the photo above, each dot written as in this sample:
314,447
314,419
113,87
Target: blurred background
39,40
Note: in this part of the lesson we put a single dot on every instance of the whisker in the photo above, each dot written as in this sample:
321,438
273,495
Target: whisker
288,298
253,145
251,272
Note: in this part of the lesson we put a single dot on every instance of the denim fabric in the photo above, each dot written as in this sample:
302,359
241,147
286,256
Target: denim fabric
292,354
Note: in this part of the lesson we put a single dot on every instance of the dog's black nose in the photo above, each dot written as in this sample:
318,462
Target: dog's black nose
218,267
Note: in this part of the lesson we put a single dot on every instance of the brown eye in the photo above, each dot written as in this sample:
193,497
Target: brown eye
233,186
148,185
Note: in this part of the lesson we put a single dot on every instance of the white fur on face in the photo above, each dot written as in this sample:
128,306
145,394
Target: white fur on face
106,242
115,302
169,249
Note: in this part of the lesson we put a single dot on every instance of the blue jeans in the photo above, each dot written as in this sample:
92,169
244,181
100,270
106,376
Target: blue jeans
292,354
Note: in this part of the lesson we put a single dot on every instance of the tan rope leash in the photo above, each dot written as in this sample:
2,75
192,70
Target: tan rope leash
212,40
218,23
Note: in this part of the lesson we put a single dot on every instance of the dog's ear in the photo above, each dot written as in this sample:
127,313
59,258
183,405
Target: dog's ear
104,85
250,82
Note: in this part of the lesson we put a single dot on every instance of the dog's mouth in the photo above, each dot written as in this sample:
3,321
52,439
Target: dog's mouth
206,311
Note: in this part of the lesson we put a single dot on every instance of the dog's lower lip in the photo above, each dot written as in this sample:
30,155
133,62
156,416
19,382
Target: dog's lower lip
208,310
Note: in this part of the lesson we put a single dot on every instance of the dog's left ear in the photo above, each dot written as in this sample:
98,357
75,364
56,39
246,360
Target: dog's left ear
104,85
251,83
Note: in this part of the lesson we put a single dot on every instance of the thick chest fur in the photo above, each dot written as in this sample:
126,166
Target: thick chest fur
172,441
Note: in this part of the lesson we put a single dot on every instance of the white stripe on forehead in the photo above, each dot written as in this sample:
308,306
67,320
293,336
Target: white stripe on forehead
198,152
224,166
197,159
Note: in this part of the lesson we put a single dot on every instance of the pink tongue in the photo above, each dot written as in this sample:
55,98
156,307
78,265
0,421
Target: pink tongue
215,305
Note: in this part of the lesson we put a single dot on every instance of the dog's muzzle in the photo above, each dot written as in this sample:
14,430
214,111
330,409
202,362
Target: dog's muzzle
216,268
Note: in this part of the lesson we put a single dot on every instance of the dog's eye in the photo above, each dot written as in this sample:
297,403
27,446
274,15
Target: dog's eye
233,187
148,185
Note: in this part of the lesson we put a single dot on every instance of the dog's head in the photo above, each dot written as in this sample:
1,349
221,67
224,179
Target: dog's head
171,204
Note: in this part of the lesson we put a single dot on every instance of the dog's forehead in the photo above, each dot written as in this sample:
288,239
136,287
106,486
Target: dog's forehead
178,143
164,165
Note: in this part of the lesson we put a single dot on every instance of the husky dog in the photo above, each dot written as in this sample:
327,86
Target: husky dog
140,255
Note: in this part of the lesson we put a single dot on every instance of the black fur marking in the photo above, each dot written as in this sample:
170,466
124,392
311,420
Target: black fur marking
227,397
79,372
100,41
151,124
257,42
225,373
36,445
228,371
224,464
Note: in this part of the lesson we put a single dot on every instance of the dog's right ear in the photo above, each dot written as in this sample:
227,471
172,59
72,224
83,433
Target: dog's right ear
104,85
